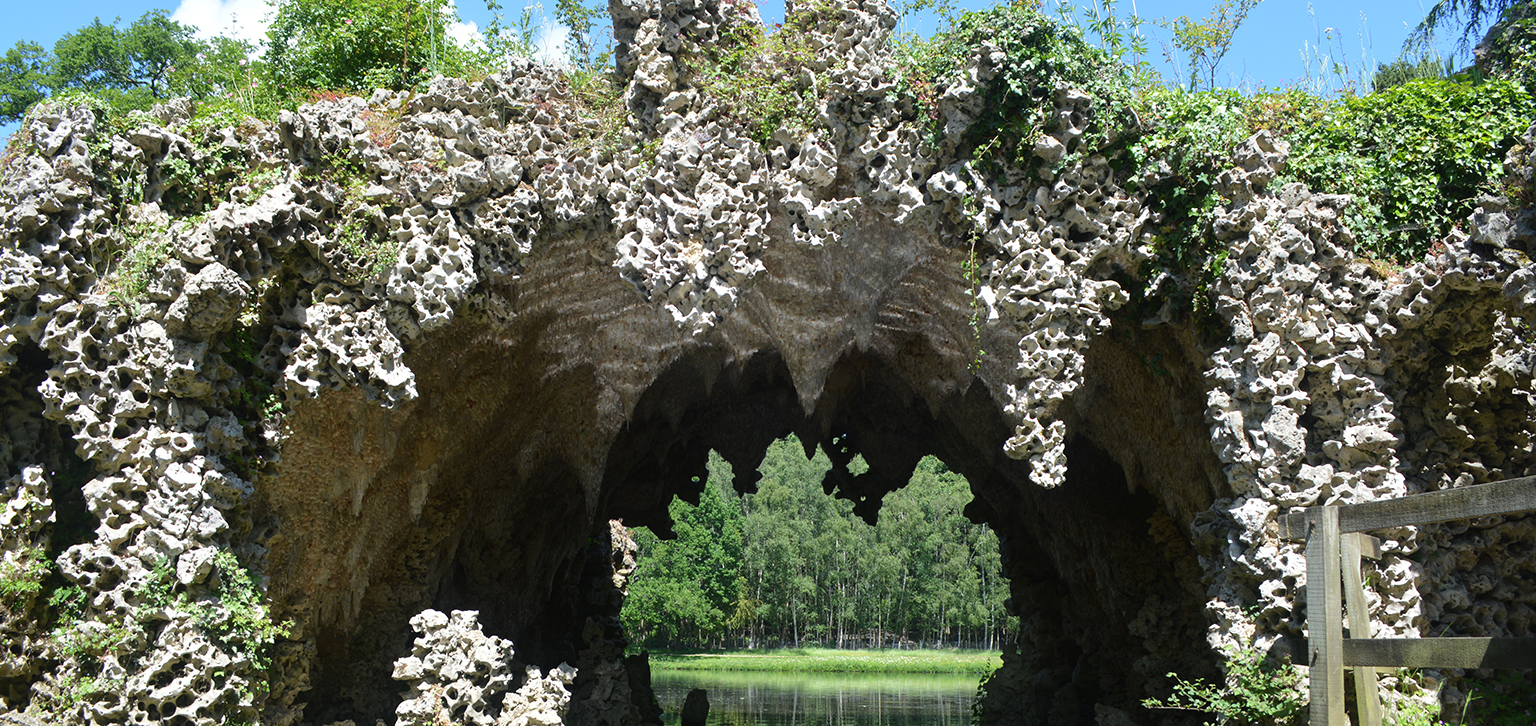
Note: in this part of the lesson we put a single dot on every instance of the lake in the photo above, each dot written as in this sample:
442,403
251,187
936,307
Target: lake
757,698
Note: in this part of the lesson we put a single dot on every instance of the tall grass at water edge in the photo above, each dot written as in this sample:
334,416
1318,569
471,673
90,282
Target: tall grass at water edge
827,660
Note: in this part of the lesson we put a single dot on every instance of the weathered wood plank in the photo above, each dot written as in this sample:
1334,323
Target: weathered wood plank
1325,637
1511,496
1442,652
1367,696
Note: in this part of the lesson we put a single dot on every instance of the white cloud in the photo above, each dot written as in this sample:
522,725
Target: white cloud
465,33
243,19
551,43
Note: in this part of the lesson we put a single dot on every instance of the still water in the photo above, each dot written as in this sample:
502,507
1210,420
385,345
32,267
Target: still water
820,699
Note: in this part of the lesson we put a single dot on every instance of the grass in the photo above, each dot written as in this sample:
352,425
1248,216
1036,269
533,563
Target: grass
826,660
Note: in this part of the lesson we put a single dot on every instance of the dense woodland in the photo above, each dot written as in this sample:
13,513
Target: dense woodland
790,566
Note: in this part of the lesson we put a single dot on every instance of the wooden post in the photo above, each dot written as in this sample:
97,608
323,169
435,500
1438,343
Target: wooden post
1367,699
1325,636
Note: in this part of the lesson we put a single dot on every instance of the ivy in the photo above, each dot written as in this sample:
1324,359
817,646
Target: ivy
1414,157
1041,55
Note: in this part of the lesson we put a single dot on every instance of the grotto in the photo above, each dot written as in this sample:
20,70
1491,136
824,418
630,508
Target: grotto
287,479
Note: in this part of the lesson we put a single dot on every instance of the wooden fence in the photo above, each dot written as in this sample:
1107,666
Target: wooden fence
1335,543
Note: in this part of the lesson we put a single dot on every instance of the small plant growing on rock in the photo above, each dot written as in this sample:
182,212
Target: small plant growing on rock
761,79
146,246
1257,692
22,578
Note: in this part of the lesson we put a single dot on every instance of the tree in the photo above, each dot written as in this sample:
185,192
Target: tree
152,47
580,46
359,44
1447,12
1205,42
806,569
90,59
24,74
129,68
686,589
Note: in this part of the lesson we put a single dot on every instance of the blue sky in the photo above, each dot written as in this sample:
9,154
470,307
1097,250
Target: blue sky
1268,49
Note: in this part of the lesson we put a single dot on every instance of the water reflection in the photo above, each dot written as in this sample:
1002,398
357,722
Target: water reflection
807,699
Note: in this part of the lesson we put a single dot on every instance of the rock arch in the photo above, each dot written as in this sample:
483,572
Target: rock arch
564,328
483,493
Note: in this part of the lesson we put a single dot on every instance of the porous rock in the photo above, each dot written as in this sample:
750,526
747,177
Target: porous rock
437,388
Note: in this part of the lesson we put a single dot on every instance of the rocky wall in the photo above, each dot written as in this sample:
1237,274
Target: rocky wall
423,349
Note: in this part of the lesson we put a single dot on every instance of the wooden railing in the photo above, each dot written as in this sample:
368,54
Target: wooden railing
1335,544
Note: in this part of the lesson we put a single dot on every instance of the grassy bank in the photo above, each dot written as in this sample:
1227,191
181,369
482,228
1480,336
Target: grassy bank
821,660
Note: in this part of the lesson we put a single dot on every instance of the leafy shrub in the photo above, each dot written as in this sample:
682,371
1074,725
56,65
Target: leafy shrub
1257,692
1414,157
1505,700
1193,134
239,621
1511,48
359,44
146,246
1018,105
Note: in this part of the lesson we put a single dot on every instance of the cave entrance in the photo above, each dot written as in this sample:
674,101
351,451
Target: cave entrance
490,499
1101,578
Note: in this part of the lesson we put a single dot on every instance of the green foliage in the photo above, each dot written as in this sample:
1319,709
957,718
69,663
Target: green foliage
1018,105
972,270
23,78
84,639
242,622
1414,157
369,252
1394,74
68,604
581,48
1505,700
1205,42
827,660
130,68
70,691
518,41
1189,140
145,246
359,44
1472,13
788,564
760,79
234,618
228,84
1410,713
687,588
1257,692
1511,47
22,578
1119,37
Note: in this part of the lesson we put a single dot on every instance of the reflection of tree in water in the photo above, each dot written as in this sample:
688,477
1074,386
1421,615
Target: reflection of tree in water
746,698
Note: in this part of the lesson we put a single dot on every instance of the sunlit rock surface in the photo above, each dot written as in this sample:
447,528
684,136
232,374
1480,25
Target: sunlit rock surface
561,326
